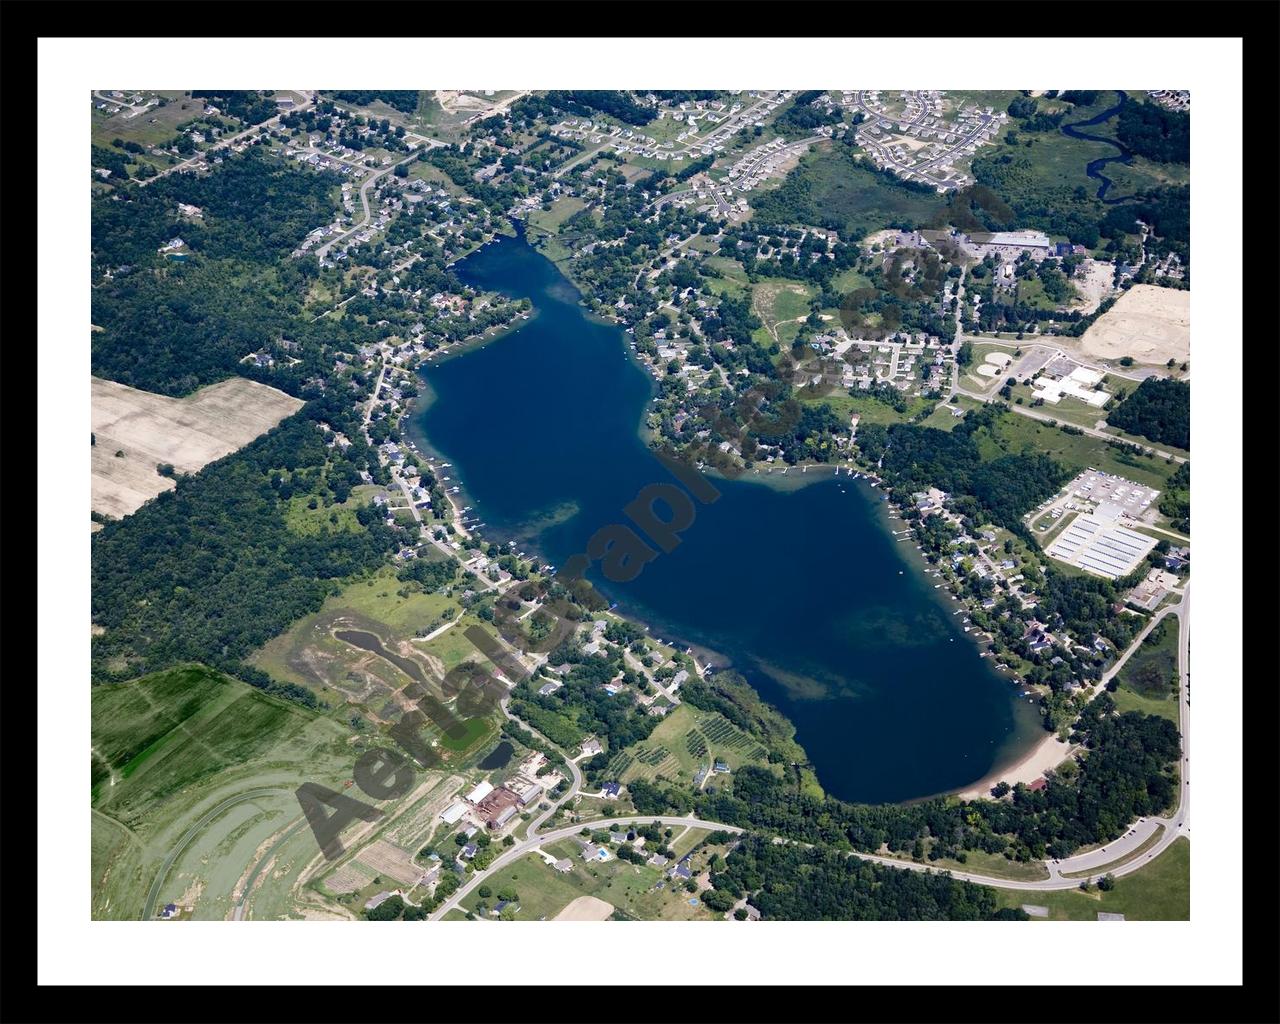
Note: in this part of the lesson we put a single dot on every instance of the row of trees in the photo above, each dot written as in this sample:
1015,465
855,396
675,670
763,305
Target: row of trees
1158,409
796,883
1126,772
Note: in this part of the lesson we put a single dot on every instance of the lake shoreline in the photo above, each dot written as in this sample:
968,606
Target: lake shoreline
864,671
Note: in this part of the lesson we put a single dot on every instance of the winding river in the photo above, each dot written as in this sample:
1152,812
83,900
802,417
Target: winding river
1094,168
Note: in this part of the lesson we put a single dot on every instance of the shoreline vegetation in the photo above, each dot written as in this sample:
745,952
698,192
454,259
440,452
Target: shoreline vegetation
1026,765
162,599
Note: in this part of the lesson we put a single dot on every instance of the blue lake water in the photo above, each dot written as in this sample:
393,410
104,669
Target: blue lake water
803,590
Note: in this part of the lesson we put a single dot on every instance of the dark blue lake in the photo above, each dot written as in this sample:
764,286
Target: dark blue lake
804,590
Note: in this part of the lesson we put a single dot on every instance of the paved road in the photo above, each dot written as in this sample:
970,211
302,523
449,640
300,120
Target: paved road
148,909
364,200
269,123
1178,824
237,913
528,845
1023,410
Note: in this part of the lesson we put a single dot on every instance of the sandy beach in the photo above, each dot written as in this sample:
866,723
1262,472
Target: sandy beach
1048,753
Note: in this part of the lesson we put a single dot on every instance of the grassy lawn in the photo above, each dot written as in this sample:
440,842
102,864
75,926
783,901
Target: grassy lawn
154,126
1147,678
731,279
848,280
543,891
870,410
683,843
1031,293
1017,432
777,300
1161,891
941,419
312,522
996,865
172,747
561,210
379,599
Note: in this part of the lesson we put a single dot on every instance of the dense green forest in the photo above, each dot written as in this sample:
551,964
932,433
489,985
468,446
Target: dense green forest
177,329
1000,489
803,116
1159,409
248,105
256,206
172,327
209,571
1152,131
795,883
403,100
615,103
1176,500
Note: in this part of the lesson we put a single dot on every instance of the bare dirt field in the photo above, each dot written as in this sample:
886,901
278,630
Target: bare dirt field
1153,325
1093,284
585,908
391,861
186,432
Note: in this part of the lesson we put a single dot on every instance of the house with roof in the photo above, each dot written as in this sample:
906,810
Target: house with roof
378,900
610,790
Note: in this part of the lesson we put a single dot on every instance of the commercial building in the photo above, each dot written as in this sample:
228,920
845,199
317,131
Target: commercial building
479,793
1097,545
453,814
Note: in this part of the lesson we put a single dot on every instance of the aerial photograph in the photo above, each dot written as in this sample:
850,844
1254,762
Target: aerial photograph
640,505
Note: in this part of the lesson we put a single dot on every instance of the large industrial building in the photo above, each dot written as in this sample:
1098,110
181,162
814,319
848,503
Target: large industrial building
1099,545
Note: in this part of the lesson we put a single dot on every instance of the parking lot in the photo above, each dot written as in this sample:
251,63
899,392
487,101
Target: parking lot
1110,498
1115,496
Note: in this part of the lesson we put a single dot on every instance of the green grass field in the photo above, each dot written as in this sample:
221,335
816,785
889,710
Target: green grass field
848,280
778,300
1017,432
154,126
191,773
1161,891
561,210
869,410
1148,678
994,865
731,278
847,191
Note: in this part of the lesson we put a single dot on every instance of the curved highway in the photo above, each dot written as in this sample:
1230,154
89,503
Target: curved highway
1096,862
148,908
